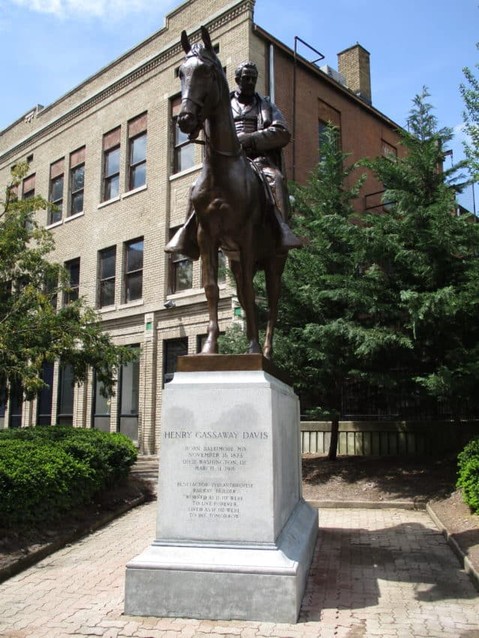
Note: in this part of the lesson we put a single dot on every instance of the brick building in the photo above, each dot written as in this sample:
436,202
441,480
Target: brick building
110,155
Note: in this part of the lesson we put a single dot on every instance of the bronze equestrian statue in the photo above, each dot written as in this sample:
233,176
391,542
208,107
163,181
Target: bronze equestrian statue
239,202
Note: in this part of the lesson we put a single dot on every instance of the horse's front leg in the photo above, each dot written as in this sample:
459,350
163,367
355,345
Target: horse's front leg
209,269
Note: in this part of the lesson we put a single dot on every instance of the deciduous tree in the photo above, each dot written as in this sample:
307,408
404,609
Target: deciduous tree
34,328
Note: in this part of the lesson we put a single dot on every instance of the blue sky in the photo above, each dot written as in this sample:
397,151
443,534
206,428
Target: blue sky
47,47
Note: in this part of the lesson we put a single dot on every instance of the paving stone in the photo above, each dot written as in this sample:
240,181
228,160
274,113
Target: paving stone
374,573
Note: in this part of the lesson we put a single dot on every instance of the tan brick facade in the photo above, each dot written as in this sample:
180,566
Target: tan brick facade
144,81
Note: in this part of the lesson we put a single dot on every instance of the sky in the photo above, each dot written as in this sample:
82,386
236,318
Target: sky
47,47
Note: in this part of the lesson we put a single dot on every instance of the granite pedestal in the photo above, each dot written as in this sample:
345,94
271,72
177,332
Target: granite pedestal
234,538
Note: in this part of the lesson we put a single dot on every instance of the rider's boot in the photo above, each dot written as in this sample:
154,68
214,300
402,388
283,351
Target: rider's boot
184,241
288,238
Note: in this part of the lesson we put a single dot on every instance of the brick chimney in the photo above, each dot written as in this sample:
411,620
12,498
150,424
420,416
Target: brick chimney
353,63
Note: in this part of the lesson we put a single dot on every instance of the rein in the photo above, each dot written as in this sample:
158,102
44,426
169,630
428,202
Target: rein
215,150
207,141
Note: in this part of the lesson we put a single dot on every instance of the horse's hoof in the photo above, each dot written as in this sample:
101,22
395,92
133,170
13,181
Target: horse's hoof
209,348
254,348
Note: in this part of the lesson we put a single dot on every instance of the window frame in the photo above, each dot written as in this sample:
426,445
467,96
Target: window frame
389,151
137,129
77,162
113,177
171,352
133,166
73,293
111,279
111,144
57,176
180,140
28,187
130,273
66,394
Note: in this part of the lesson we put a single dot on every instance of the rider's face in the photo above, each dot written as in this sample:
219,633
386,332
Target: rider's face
247,82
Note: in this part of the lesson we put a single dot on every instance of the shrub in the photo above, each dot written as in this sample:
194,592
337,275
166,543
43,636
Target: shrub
40,482
468,478
45,471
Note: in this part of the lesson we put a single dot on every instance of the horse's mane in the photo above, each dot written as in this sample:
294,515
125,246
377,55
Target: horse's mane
205,55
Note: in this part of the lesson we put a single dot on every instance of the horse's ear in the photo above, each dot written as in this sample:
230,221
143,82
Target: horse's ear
205,36
185,43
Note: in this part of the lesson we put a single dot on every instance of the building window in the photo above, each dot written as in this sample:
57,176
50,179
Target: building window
45,396
137,152
130,397
322,128
56,192
16,405
133,270
3,406
101,408
180,276
65,395
389,151
28,192
28,188
73,288
172,349
323,135
77,181
183,149
106,276
111,165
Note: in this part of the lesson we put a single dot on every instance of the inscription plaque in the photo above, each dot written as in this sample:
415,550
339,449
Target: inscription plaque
217,489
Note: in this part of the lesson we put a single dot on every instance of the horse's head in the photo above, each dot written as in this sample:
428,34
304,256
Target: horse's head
200,86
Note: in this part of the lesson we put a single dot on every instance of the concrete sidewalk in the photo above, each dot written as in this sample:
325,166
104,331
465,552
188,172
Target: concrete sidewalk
375,573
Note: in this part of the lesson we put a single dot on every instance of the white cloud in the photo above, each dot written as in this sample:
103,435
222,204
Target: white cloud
100,8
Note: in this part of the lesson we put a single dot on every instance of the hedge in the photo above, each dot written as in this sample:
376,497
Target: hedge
46,471
468,476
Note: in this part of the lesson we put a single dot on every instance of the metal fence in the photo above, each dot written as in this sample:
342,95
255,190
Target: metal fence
392,438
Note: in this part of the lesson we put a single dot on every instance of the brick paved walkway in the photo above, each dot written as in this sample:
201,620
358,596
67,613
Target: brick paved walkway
375,573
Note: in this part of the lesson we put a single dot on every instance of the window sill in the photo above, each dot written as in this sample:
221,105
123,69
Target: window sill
134,191
109,201
54,225
106,309
191,292
130,304
72,217
187,171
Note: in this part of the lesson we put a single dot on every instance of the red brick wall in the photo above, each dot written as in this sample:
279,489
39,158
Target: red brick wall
362,128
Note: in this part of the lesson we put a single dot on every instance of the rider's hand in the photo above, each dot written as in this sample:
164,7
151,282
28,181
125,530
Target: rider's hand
246,140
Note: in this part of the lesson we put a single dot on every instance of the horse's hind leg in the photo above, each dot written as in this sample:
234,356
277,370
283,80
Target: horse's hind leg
238,275
247,298
209,269
273,271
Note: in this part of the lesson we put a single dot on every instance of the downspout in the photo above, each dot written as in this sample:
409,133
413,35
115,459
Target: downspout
271,87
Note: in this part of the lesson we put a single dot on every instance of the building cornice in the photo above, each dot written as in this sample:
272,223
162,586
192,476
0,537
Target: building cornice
169,51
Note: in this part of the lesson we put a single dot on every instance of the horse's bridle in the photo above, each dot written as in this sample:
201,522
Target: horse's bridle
200,104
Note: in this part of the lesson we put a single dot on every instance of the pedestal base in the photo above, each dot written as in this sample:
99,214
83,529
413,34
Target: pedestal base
217,582
234,538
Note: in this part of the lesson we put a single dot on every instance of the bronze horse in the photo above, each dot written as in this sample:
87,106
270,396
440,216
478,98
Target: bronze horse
228,197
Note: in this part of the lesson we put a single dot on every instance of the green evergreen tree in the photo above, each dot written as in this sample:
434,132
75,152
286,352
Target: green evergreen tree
329,325
32,329
388,299
428,255
470,95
